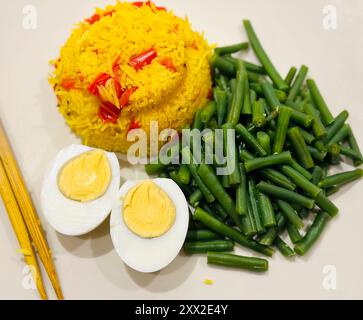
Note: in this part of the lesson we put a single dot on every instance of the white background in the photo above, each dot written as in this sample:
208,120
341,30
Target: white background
292,33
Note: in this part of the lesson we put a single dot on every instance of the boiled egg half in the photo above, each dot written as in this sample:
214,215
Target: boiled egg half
79,189
149,223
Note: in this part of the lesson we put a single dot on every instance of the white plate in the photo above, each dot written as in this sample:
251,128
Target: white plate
292,33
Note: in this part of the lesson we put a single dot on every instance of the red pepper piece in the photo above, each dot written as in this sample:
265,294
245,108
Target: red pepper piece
109,13
101,80
68,83
168,63
138,4
125,98
143,59
118,88
96,17
134,125
109,112
116,65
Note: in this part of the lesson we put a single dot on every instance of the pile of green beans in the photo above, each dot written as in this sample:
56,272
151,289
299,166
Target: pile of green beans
286,140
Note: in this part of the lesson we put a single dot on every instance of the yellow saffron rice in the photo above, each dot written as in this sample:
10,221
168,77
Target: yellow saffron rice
112,37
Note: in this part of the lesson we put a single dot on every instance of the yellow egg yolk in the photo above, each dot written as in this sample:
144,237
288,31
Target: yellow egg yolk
86,177
148,211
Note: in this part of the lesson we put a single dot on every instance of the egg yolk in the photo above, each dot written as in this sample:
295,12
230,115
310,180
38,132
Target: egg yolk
148,211
86,177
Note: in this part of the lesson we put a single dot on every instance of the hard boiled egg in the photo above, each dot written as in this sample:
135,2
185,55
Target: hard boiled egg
149,223
79,189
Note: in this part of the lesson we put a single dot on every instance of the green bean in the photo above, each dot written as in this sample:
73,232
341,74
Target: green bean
204,247
258,114
301,170
152,169
316,154
219,211
263,58
184,174
281,131
223,83
254,77
195,198
280,95
283,247
248,223
285,194
319,130
231,49
304,213
265,141
187,190
319,102
232,85
224,66
319,145
339,136
208,112
254,67
317,175
301,118
326,205
269,237
234,261
301,181
271,174
221,98
207,194
341,179
247,108
212,182
229,232
350,153
241,192
298,106
313,234
331,191
252,192
268,161
355,146
231,153
202,235
290,214
163,175
253,97
249,139
290,76
309,138
338,123
208,208
237,98
270,95
197,123
266,211
334,153
300,78
294,233
300,147
278,178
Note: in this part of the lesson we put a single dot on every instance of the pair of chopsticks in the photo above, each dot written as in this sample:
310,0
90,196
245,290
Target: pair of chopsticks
24,218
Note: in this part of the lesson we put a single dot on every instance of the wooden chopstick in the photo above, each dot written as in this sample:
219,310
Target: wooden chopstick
28,211
21,232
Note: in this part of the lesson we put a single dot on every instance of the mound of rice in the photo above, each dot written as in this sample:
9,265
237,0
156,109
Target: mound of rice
169,88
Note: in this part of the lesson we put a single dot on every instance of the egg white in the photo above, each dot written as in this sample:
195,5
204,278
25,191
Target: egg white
73,218
150,255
